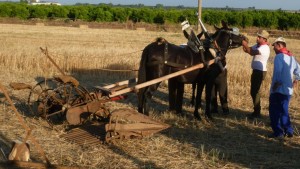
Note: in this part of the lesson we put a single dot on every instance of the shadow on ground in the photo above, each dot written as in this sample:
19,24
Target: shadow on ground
232,139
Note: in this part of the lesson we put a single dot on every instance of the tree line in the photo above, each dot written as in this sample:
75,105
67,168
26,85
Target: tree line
278,19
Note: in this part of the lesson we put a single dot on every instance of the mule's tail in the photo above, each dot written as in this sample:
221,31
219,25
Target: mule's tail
142,73
143,62
142,79
142,68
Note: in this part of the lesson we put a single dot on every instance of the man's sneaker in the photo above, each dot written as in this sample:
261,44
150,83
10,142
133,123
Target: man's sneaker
289,135
225,112
253,116
276,137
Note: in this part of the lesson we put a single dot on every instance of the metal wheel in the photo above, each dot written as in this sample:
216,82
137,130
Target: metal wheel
38,94
59,100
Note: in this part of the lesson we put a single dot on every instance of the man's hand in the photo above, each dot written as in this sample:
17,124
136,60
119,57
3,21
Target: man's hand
244,43
245,46
295,82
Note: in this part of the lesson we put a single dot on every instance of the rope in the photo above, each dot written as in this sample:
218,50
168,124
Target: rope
113,70
126,54
129,53
45,51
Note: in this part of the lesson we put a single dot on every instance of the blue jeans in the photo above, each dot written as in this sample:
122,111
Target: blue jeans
279,114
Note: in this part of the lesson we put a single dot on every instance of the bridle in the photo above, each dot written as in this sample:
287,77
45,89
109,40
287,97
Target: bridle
229,43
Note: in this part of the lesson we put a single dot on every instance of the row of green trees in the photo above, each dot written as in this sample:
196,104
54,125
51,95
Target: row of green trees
108,13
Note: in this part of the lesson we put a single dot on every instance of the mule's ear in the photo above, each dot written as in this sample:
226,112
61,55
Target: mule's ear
224,24
186,35
200,35
216,28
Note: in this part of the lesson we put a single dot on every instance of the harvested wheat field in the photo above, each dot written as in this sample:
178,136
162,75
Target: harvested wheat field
87,54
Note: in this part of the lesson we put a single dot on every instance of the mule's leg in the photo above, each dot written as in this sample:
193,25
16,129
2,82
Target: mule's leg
208,91
210,81
144,97
194,85
179,97
214,99
141,99
223,92
172,94
200,87
145,107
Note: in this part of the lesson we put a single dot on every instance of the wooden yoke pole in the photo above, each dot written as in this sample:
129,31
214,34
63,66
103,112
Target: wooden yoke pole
154,81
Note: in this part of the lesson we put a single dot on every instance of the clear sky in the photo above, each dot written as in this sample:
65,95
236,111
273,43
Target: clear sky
258,4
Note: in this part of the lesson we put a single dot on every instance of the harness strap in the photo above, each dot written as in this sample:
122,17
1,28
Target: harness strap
164,61
172,64
176,65
154,63
166,51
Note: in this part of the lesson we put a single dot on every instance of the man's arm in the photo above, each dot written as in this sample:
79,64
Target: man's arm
249,50
278,65
297,70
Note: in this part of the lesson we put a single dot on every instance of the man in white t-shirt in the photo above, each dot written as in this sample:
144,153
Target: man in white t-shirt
260,53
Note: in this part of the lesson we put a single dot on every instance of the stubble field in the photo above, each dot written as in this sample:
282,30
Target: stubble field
87,54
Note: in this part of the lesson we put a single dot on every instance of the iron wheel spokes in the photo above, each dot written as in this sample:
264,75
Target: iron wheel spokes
39,93
60,100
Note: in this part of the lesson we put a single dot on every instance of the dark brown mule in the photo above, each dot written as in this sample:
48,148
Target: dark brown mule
161,58
225,38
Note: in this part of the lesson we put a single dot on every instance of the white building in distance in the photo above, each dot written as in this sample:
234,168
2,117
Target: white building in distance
38,2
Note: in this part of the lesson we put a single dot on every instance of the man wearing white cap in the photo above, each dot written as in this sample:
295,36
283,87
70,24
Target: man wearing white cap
285,67
260,52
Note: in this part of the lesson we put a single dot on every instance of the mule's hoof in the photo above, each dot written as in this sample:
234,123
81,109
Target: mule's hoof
209,118
192,104
172,111
197,116
146,113
180,114
215,112
225,113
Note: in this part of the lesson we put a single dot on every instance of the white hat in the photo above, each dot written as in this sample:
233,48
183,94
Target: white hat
280,39
235,31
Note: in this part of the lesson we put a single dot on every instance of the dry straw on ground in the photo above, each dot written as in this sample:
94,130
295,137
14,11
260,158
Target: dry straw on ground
229,142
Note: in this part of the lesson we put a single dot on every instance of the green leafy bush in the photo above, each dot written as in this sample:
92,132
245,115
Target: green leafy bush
159,15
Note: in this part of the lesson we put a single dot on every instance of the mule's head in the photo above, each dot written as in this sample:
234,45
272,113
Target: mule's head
228,38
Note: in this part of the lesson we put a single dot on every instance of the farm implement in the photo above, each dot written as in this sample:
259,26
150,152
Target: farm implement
62,99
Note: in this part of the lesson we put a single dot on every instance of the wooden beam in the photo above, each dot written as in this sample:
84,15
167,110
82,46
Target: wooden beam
199,13
154,81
